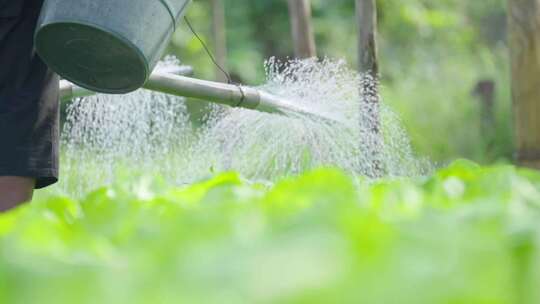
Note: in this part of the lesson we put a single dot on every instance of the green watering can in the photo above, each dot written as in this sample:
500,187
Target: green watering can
112,46
108,46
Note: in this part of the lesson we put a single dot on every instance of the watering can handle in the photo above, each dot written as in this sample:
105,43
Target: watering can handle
169,9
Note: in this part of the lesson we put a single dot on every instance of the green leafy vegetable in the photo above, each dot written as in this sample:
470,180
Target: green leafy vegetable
468,234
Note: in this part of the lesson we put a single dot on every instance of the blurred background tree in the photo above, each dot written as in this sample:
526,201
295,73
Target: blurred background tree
302,32
219,33
524,37
433,54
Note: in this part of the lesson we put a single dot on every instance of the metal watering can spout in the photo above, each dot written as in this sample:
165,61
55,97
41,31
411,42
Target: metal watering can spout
216,92
230,95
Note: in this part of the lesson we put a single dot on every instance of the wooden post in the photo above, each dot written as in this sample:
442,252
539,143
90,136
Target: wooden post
366,11
302,32
524,40
220,37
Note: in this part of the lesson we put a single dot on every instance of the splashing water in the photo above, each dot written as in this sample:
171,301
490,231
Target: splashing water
150,133
263,146
106,136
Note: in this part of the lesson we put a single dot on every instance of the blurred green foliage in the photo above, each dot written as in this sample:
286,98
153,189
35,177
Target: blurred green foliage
465,235
432,55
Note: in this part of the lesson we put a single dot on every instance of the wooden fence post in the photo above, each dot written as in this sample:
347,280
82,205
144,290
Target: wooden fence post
366,11
524,41
371,139
220,37
302,32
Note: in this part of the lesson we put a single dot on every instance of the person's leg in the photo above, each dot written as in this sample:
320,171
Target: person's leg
29,108
14,191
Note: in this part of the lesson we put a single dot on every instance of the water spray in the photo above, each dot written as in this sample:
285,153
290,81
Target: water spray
148,133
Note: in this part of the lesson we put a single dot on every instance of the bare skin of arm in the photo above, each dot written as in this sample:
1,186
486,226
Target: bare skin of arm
14,191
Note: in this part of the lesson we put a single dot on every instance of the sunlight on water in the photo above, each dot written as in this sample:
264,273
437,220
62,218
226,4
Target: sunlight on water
147,133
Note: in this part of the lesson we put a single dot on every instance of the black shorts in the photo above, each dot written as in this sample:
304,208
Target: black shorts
29,106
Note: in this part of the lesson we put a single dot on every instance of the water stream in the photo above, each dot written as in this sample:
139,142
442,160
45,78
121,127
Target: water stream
110,137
